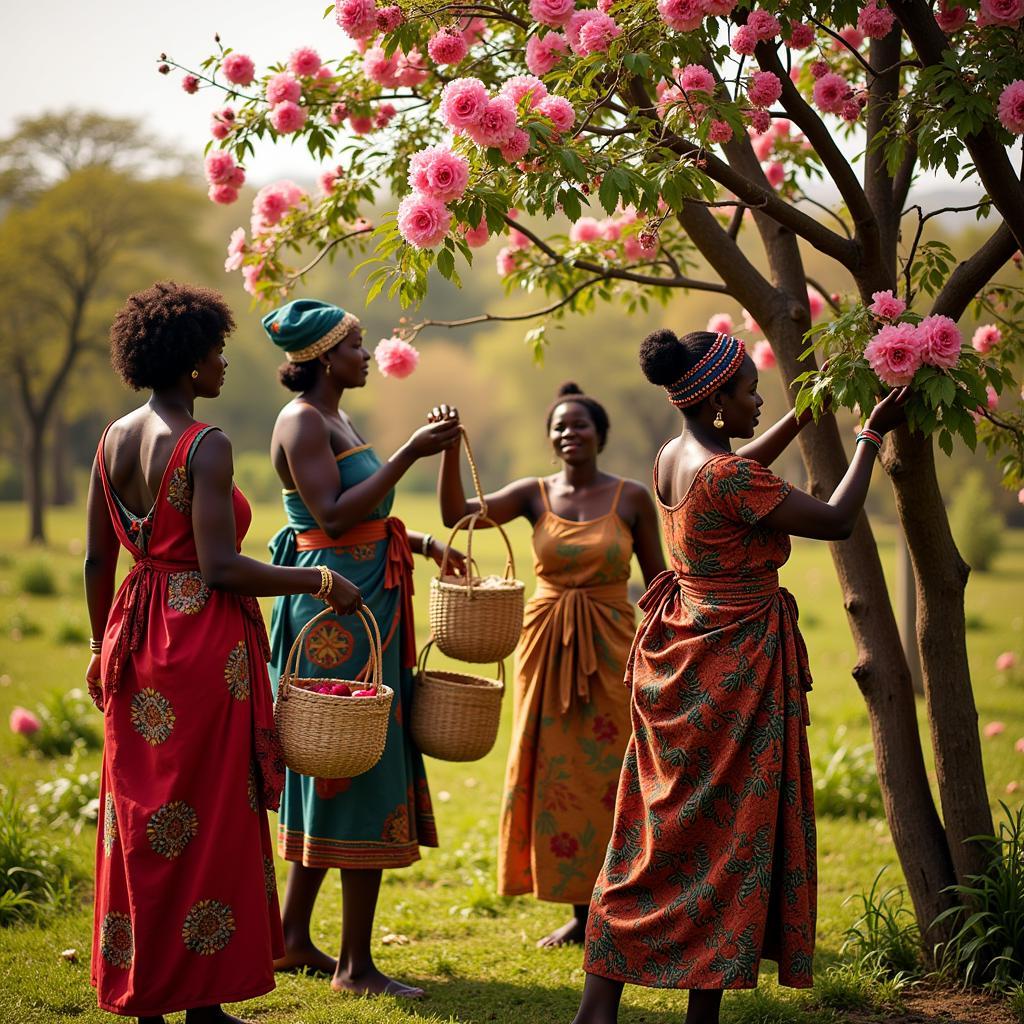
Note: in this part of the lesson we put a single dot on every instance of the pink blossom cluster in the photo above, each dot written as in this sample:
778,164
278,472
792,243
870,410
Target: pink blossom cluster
238,68
447,47
544,52
800,36
763,89
437,176
553,13
638,242
1011,107
357,18
190,84
875,20
222,123
596,32
950,19
236,250
272,202
898,350
329,179
985,338
395,357
763,356
1007,13
23,722
304,62
224,176
886,306
720,323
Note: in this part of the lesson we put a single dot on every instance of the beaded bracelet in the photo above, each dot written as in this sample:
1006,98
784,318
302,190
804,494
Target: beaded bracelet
873,439
326,583
95,646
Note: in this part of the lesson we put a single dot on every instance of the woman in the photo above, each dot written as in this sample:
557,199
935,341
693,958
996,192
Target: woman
338,497
711,865
571,711
186,903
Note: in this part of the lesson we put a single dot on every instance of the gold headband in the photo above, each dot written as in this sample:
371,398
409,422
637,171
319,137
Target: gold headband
328,341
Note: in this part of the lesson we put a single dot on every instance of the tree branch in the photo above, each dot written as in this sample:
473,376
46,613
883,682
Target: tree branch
974,273
289,281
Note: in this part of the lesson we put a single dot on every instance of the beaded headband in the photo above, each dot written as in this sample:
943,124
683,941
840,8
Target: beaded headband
715,367
325,342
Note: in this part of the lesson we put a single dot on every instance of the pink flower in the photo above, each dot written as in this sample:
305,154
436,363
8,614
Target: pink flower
218,129
361,124
423,221
819,68
876,21
220,166
438,172
273,201
287,117
304,62
575,24
775,172
517,147
223,194
329,180
1006,661
338,113
719,131
853,38
763,146
764,88
238,68
1012,787
830,92
190,84
517,240
1020,496
950,19
886,306
385,112
750,324
553,13
236,250
544,52
991,398
559,111
744,40
763,356
395,357
986,337
720,323
1011,107
760,121
586,229
505,261
412,71
800,36
380,68
463,101
473,30
696,78
251,277
597,34
281,87
520,86
610,229
941,340
23,722
643,246
357,18
681,15
1000,12
389,18
850,110
496,124
478,236
763,24
895,353
994,729
815,303
447,47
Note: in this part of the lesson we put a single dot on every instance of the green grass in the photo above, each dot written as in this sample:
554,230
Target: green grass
473,950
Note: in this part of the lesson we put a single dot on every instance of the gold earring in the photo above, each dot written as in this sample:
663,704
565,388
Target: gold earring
195,375
719,421
327,369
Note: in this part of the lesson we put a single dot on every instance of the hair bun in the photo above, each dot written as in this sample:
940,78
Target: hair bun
661,356
569,387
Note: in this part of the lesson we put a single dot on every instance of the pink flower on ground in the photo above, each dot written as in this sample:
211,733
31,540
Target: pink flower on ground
800,36
994,729
696,78
520,86
219,166
763,24
304,62
447,47
478,236
517,147
412,70
1012,787
575,24
238,68
719,131
874,20
505,261
357,18
1019,745
23,722
775,172
720,323
1000,12
438,172
236,250
287,117
329,180
941,340
496,124
1011,107
763,356
597,34
1006,661
273,201
190,84
389,18
423,221
586,229
886,306
281,87
986,337
830,92
744,40
544,52
764,88
895,353
950,19
380,68
681,15
463,101
395,357
553,13
559,111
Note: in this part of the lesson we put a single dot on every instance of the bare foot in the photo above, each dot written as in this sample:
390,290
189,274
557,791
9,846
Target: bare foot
306,958
211,1015
374,983
570,934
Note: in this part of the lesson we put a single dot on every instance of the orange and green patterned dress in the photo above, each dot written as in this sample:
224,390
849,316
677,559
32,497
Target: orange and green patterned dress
571,711
711,864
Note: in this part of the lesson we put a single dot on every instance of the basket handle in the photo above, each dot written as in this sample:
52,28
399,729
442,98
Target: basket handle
473,471
421,661
469,523
375,661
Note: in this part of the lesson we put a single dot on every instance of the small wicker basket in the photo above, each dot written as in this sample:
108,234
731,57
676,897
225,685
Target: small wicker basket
455,716
326,736
470,622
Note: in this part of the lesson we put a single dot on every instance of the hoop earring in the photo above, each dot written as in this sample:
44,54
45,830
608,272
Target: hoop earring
195,375
719,422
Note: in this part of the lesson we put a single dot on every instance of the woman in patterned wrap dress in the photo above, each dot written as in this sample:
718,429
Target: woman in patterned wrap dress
711,865
186,913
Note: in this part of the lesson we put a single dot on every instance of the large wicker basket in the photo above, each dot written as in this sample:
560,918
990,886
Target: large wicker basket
470,621
326,736
455,716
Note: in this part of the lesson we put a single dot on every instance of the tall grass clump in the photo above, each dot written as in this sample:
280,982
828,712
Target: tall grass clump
884,939
846,781
36,577
68,721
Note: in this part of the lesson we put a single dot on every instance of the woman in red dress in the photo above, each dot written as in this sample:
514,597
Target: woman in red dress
186,912
711,864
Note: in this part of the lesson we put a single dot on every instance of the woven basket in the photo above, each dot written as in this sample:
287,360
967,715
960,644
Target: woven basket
469,622
326,736
455,716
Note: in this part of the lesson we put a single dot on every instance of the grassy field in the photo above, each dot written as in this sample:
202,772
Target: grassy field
472,950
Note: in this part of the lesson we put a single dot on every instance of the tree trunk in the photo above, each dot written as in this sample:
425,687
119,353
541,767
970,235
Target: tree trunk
61,492
34,451
941,577
906,604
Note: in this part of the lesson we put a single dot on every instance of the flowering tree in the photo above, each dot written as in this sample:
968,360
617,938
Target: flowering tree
638,137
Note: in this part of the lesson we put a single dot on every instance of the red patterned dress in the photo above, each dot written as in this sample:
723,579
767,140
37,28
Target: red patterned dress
186,902
711,865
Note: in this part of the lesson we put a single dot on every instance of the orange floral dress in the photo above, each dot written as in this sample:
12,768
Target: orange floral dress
711,864
571,711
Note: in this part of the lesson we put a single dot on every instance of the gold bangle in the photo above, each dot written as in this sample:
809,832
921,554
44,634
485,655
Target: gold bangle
95,646
326,583
426,545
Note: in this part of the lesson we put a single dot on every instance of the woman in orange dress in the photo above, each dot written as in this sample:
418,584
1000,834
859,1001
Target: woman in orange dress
186,913
711,865
571,711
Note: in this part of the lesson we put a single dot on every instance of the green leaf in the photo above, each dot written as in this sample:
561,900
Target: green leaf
946,441
446,263
608,193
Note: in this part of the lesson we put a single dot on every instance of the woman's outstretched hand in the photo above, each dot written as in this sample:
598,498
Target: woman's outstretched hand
440,433
456,559
443,414
889,413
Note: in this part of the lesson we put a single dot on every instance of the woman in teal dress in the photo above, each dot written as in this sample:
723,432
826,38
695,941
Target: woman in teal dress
338,497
